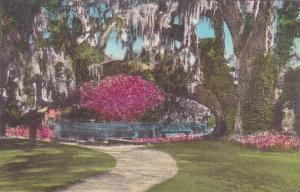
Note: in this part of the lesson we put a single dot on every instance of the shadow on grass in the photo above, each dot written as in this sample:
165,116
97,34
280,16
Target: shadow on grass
46,166
216,166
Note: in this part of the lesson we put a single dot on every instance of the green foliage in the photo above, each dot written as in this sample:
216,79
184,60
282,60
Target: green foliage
287,29
291,86
153,115
32,119
11,114
77,28
78,114
229,117
89,54
30,100
257,108
51,5
291,93
41,42
211,122
141,69
28,87
65,111
61,36
85,55
218,79
119,23
172,79
7,22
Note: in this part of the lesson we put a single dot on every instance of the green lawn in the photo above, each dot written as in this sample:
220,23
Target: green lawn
209,166
47,167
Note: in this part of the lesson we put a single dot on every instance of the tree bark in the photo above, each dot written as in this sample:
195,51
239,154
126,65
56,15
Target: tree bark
32,134
246,50
207,98
2,129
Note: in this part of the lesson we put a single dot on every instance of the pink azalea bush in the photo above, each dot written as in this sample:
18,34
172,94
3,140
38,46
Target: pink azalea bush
44,133
271,141
121,97
156,140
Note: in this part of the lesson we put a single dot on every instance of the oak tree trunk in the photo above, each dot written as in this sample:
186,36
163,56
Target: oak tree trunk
32,134
248,44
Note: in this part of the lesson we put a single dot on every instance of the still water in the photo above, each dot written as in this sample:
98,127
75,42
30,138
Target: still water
125,130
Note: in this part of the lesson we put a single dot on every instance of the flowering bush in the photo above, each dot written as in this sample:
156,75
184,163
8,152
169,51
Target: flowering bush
121,97
271,141
156,140
43,133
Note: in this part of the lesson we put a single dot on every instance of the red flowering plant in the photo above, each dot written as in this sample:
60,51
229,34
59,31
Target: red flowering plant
121,97
43,133
271,141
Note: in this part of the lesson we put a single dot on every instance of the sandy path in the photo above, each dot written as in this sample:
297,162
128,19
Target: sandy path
138,169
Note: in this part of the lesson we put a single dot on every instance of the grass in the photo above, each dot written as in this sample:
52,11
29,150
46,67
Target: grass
215,166
47,166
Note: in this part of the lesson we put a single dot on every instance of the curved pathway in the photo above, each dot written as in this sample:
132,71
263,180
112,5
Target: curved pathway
138,169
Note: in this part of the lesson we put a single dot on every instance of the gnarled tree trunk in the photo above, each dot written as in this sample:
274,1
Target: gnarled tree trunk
32,134
247,43
207,98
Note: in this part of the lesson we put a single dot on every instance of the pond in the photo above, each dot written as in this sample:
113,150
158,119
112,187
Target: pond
125,130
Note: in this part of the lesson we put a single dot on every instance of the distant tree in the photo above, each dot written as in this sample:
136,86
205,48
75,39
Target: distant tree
291,93
121,97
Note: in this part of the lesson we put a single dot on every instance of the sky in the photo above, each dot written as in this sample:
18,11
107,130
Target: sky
294,62
114,47
297,46
204,29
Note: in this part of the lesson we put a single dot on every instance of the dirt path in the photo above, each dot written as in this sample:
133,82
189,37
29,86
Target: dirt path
138,169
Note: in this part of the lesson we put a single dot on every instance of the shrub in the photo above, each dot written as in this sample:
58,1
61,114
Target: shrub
271,141
121,97
44,133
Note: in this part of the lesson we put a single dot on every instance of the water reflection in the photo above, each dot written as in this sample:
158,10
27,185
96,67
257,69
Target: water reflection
129,130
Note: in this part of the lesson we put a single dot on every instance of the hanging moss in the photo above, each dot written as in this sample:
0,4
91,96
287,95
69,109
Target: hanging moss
64,38
257,108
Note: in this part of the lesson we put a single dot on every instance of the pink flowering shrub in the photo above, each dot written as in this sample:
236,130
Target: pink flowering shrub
157,140
44,133
121,97
271,141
